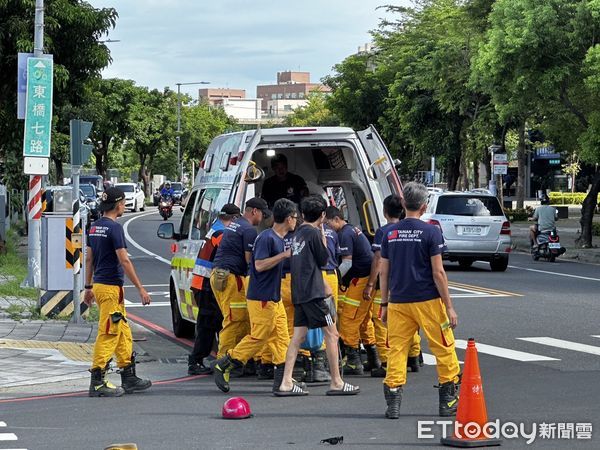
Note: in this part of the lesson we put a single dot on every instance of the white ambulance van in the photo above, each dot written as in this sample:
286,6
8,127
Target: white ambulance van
352,170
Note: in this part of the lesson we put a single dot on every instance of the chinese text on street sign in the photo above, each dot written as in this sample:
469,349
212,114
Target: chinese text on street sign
38,111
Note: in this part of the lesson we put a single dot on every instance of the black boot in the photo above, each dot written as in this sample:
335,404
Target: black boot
130,382
372,358
265,371
381,372
195,368
223,367
393,398
319,370
412,363
250,368
448,393
353,364
101,387
308,365
277,376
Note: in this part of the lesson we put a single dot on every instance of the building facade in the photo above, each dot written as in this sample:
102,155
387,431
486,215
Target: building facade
212,95
290,86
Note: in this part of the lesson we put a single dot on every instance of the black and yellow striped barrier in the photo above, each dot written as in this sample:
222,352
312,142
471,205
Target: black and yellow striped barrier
59,304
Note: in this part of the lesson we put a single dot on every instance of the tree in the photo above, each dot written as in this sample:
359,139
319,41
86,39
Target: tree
109,104
543,57
72,29
316,113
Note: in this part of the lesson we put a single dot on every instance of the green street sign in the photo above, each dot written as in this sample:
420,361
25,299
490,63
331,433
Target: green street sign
38,110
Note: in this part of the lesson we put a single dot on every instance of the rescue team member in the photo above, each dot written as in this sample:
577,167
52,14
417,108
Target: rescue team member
355,269
268,323
414,283
392,210
210,319
283,184
309,291
107,261
230,269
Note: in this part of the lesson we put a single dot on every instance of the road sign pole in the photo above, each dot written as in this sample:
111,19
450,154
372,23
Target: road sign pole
76,242
34,226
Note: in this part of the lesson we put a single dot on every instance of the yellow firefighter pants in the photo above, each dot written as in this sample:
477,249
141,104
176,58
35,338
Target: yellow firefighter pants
268,325
286,299
379,328
404,319
232,301
113,338
354,312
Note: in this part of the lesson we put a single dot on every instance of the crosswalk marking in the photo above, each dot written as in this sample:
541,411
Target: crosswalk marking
2,424
560,343
505,352
430,360
8,437
130,304
470,291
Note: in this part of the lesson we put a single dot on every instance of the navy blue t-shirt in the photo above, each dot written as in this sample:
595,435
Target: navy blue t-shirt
354,243
238,238
409,246
287,243
104,238
333,248
266,286
379,234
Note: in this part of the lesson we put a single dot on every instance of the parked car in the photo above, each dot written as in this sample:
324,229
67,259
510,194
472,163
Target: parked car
91,200
474,227
135,199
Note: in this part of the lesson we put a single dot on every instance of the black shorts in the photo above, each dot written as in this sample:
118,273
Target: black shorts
314,314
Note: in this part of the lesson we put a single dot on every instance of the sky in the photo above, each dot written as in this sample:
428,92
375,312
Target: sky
234,43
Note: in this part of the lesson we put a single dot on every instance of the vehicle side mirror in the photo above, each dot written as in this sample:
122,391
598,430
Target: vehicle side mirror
166,231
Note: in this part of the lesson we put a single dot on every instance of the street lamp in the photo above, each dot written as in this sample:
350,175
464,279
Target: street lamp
179,164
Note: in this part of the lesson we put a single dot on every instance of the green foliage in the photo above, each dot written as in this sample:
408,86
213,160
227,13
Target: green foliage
519,214
567,198
71,33
596,228
13,266
316,113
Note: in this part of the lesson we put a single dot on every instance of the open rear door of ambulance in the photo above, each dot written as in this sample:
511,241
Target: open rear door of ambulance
381,168
248,172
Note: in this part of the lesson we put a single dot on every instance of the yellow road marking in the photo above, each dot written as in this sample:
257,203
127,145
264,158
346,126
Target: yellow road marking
483,289
71,350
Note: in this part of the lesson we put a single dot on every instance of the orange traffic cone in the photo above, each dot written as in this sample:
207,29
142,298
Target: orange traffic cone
471,418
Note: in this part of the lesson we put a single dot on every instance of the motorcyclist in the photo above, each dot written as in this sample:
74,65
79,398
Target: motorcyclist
545,216
167,190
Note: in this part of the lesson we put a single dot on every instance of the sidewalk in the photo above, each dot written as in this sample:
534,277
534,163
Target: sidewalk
568,230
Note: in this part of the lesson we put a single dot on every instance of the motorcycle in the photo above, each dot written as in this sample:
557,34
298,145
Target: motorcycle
165,207
548,246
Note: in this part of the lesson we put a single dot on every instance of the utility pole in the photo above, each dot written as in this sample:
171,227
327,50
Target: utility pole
34,226
179,162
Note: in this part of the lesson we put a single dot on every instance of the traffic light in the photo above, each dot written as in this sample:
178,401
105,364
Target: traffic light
81,147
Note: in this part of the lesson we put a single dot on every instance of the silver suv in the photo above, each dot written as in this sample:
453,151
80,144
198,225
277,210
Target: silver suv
474,227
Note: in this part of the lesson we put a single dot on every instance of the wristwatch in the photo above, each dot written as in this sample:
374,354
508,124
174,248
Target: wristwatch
88,286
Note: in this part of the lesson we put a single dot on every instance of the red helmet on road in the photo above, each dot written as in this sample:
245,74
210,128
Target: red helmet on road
236,408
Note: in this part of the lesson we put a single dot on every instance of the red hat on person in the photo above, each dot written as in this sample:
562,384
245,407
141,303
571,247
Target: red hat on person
236,408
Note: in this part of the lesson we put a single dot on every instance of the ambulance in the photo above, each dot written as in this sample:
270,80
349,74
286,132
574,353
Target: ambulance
352,170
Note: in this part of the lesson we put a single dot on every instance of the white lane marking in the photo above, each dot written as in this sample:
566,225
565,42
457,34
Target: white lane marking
430,360
8,437
560,343
505,352
556,273
147,285
596,335
138,246
139,305
2,424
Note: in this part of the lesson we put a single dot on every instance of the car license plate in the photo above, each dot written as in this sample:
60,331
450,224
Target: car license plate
473,231
554,245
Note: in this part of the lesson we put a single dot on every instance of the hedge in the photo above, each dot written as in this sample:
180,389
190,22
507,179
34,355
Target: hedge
519,215
567,198
596,228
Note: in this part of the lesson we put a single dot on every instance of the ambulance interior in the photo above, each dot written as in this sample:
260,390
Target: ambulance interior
332,172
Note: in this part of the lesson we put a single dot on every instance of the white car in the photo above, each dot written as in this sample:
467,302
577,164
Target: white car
134,196
474,227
